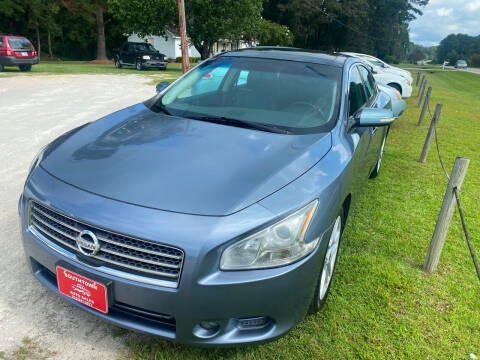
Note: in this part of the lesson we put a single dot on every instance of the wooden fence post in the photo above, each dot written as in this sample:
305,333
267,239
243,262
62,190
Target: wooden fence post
422,91
448,206
418,78
425,106
431,131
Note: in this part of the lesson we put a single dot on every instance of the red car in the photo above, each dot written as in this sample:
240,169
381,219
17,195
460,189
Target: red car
17,51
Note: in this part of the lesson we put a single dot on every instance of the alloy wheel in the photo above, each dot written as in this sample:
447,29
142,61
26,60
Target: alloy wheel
330,259
382,148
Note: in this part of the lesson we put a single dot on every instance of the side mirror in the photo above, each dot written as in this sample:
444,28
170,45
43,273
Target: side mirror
162,86
373,117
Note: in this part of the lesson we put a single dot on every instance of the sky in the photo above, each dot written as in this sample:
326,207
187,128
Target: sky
443,17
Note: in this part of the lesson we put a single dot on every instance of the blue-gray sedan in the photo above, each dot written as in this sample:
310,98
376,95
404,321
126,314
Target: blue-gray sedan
212,213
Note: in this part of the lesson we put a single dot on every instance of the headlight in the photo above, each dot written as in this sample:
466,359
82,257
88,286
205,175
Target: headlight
146,57
279,244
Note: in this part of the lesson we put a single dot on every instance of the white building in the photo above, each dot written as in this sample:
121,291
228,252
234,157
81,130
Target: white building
169,44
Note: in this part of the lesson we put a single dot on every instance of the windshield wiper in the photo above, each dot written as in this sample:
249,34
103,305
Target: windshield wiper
240,123
162,108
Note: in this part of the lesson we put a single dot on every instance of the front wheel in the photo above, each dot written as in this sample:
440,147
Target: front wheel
118,65
1,67
138,65
396,87
375,171
328,268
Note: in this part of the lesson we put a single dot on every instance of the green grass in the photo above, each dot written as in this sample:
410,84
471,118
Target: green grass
382,305
80,67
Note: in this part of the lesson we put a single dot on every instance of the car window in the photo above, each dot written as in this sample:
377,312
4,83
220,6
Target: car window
125,47
20,44
144,47
296,96
368,81
1,41
211,81
356,92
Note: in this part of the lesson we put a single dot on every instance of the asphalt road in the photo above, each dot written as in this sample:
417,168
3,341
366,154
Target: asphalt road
33,111
473,70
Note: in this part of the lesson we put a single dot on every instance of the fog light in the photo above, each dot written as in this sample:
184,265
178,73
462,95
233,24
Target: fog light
253,323
206,329
209,325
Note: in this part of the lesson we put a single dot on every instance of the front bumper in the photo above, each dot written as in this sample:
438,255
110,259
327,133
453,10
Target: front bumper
154,64
13,61
406,91
281,295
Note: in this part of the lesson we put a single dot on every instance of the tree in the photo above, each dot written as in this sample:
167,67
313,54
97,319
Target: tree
211,20
208,21
90,8
378,27
270,33
459,46
144,17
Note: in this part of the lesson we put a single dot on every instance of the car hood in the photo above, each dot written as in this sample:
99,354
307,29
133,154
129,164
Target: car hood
175,164
406,74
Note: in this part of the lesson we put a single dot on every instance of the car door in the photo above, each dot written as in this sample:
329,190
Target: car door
359,136
132,54
123,55
376,132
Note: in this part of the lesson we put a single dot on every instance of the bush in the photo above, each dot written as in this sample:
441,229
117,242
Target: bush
475,60
178,59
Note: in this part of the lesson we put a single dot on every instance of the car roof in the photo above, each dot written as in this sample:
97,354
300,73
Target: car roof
292,54
13,36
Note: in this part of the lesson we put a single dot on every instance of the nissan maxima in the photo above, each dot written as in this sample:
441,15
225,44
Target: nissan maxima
212,213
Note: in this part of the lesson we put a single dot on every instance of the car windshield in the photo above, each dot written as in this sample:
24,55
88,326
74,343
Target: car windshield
294,96
144,47
462,62
373,61
20,44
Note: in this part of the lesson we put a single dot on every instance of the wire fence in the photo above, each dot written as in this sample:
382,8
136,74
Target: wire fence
457,197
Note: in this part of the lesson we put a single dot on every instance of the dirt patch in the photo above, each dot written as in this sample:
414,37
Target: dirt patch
35,110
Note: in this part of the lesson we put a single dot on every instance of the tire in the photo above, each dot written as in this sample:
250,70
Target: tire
376,170
328,266
118,65
1,67
396,87
138,65
25,67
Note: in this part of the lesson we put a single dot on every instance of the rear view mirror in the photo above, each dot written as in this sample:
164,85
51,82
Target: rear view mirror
162,86
374,117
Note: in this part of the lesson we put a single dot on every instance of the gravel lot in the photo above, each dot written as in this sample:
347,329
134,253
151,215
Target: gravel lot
35,110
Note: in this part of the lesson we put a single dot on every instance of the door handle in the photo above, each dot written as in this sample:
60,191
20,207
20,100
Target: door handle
373,130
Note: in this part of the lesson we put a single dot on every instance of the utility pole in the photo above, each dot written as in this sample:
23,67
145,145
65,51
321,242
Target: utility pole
183,36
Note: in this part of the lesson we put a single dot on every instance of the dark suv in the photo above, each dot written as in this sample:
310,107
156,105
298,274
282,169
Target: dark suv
140,55
17,51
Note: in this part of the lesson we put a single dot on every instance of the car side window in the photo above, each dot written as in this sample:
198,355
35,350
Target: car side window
131,47
369,84
1,41
125,47
357,97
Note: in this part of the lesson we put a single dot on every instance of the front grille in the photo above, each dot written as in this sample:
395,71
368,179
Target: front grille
117,251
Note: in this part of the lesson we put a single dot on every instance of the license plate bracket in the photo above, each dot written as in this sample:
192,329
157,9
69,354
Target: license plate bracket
83,289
